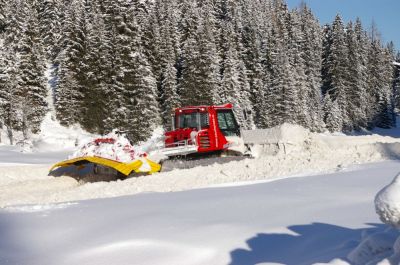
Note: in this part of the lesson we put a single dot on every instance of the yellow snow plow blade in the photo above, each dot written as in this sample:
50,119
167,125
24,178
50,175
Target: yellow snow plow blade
154,167
124,168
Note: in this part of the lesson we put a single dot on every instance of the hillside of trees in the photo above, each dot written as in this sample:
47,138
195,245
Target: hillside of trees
127,64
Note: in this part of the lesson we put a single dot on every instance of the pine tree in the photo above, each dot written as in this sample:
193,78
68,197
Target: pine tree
32,86
167,53
168,87
234,83
69,92
200,71
298,80
2,16
282,95
252,42
333,119
138,111
49,26
11,105
386,117
9,47
13,13
396,81
356,94
4,99
127,64
263,107
361,52
312,58
96,83
335,71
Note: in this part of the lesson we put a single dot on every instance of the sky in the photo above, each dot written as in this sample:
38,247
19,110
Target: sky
385,13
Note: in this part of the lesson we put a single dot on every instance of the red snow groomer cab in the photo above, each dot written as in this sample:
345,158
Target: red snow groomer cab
202,129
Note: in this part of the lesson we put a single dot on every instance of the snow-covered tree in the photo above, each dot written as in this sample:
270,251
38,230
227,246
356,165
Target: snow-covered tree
358,66
379,87
2,15
127,64
311,47
298,79
166,52
31,81
335,69
199,77
96,81
234,82
333,116
49,26
69,92
396,80
138,111
4,96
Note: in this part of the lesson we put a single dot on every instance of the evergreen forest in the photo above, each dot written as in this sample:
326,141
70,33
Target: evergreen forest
125,64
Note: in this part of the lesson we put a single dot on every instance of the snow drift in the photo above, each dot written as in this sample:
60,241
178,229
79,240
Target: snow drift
387,203
386,244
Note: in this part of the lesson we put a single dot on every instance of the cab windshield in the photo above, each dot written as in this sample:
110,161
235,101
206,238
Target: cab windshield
191,120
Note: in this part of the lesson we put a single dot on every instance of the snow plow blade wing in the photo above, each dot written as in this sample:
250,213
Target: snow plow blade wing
154,167
123,168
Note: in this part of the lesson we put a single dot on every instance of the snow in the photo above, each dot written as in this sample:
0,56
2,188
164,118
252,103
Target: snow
307,155
376,248
387,203
116,147
39,208
304,198
322,219
286,133
53,137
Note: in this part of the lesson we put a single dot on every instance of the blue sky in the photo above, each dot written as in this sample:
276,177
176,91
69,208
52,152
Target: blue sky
385,13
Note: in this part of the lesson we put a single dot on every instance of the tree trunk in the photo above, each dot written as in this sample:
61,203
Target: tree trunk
10,135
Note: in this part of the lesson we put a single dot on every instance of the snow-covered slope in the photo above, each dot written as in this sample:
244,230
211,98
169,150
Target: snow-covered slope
311,220
53,137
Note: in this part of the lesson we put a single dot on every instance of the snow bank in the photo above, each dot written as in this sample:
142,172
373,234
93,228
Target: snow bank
383,248
377,248
286,133
387,203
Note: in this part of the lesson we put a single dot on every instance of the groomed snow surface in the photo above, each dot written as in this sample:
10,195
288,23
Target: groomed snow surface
213,216
323,219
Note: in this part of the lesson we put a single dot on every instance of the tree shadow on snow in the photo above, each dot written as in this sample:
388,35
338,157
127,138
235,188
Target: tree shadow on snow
312,243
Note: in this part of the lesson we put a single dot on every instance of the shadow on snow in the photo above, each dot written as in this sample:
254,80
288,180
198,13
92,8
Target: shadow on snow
312,243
